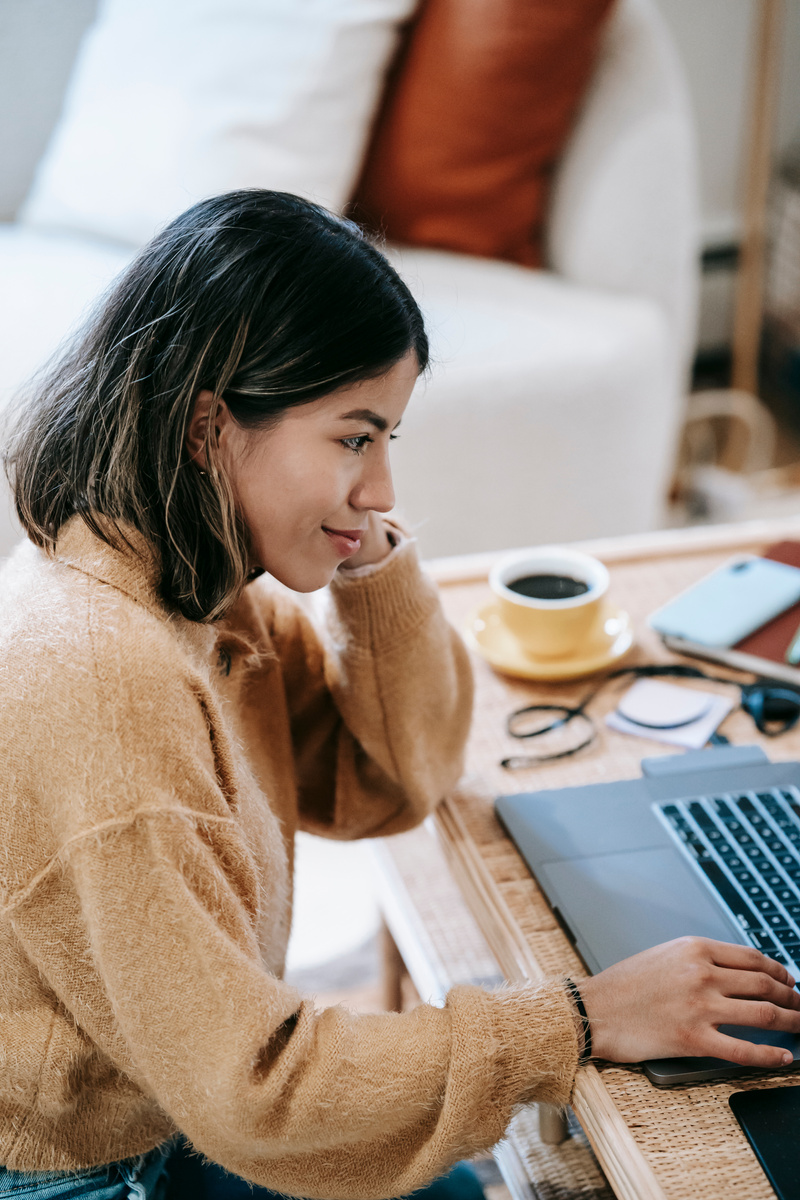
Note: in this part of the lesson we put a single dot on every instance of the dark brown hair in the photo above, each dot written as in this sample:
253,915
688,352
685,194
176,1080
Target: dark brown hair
264,299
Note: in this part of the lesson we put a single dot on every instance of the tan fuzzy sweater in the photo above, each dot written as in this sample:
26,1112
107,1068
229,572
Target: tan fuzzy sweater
154,773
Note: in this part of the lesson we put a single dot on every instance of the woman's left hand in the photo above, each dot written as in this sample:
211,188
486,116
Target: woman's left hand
375,545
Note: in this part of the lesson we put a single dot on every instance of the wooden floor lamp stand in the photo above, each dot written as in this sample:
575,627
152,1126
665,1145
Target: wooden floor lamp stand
749,307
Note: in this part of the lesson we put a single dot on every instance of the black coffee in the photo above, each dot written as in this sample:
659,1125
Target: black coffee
549,587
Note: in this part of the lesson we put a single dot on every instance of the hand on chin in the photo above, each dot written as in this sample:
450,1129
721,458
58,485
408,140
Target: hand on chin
375,545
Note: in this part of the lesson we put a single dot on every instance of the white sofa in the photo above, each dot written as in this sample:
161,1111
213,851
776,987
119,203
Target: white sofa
554,405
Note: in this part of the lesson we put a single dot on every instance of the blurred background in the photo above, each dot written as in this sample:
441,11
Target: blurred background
574,191
597,203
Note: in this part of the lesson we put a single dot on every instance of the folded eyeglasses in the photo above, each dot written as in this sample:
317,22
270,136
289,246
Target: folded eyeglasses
774,707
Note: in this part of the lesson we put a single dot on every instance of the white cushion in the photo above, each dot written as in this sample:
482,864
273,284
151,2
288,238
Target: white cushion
550,411
49,283
624,208
174,100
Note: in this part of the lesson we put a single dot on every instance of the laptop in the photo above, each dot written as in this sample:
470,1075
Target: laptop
704,843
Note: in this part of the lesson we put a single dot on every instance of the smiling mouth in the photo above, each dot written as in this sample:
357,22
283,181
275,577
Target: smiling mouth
346,541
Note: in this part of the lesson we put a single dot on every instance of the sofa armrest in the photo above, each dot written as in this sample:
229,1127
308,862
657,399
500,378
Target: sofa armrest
624,209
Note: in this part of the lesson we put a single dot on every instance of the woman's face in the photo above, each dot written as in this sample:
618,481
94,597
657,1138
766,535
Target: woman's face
305,487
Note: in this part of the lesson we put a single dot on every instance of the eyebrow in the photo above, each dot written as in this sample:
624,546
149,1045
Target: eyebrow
366,414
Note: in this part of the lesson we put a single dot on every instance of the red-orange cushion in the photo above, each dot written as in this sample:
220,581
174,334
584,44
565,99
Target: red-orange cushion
475,116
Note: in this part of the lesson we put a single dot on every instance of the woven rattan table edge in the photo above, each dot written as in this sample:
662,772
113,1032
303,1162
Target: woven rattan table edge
611,1140
422,911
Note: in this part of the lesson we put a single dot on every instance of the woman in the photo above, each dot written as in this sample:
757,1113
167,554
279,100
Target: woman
170,719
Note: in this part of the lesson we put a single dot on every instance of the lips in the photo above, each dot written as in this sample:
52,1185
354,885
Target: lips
346,541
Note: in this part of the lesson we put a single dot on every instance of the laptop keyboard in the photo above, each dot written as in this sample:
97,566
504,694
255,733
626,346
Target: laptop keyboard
746,848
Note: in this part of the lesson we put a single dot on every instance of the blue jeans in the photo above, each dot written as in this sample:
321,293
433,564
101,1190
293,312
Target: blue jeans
140,1178
172,1172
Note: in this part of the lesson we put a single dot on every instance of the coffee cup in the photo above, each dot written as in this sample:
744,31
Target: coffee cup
551,598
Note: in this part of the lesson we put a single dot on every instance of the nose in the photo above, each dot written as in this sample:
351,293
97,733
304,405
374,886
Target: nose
374,489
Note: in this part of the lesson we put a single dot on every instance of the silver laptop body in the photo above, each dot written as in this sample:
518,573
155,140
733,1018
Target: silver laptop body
608,859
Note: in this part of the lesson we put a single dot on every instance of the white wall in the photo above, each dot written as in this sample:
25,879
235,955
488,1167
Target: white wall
716,41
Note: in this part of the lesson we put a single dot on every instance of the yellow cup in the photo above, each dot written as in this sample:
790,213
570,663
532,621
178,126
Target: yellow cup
551,628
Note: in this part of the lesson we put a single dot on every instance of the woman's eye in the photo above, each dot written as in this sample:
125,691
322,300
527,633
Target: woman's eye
356,444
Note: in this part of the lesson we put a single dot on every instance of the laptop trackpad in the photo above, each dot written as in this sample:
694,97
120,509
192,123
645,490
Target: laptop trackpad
618,904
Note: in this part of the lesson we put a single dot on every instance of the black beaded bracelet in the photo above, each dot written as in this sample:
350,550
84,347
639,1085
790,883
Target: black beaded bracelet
587,1029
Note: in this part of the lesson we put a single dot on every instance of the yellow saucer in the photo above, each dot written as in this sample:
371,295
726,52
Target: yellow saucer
485,632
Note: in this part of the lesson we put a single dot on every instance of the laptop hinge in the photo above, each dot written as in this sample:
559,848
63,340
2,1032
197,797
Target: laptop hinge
715,758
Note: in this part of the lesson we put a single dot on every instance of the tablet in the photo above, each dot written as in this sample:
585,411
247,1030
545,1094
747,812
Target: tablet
770,1118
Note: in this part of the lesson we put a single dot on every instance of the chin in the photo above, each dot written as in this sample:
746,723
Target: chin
298,580
306,587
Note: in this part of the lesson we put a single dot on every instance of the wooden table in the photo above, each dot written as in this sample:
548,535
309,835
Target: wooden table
652,1144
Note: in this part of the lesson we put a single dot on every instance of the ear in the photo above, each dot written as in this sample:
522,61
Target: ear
198,426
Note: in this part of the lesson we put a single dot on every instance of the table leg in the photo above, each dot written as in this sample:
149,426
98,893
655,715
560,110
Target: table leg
393,972
552,1125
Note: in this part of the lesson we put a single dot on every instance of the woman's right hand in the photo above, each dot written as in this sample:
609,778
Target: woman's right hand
668,1002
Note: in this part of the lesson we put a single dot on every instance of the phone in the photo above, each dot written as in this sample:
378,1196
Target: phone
731,602
770,1120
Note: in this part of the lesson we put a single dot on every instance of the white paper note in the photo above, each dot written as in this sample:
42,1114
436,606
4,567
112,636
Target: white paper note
667,710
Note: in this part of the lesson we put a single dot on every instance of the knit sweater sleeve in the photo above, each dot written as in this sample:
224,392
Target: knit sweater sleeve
144,940
380,707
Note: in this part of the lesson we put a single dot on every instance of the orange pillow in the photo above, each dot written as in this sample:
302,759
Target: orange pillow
474,119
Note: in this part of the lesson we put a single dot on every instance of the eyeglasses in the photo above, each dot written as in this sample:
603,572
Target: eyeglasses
567,729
